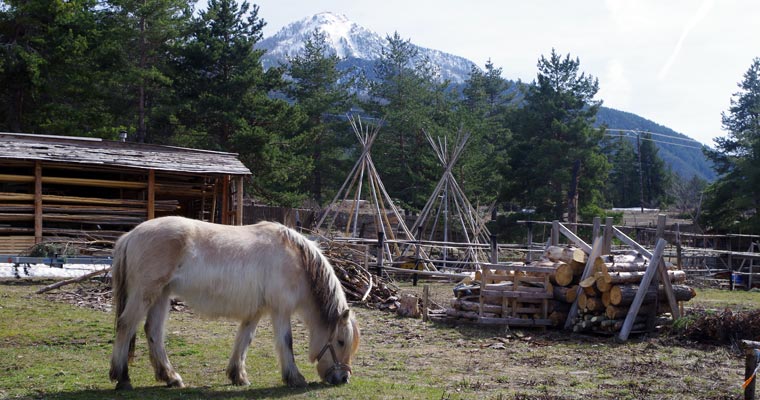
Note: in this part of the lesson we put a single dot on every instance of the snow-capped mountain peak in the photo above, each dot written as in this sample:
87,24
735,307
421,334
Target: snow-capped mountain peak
351,42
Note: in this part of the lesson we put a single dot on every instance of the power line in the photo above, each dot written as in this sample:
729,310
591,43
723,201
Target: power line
662,142
653,133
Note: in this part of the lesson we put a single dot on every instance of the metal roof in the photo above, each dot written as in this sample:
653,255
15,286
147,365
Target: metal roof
94,151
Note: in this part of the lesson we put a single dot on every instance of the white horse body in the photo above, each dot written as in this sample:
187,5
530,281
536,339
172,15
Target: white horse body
241,273
250,279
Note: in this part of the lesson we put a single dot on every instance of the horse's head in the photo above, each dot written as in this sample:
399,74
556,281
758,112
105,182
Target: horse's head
334,349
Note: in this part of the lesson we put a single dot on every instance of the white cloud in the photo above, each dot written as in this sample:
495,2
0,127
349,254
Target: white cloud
615,88
701,13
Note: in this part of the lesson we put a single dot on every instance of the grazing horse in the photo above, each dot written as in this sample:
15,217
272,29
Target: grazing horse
236,272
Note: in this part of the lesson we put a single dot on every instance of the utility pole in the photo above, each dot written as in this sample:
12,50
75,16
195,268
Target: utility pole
641,172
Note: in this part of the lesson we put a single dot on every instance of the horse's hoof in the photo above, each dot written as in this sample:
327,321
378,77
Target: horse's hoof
241,382
126,385
296,381
175,383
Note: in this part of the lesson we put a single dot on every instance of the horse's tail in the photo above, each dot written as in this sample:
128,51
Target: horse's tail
119,283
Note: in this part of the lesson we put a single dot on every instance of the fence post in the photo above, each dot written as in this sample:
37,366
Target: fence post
494,250
380,252
555,233
597,229
751,354
607,242
415,276
529,258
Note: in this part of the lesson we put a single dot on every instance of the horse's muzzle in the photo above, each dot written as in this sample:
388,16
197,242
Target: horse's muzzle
338,377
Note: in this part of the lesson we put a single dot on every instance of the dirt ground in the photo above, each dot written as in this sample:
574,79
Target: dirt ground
467,361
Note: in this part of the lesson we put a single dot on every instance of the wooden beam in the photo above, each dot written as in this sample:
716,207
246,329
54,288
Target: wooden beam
225,199
574,238
607,244
37,202
239,198
650,273
151,194
663,270
596,251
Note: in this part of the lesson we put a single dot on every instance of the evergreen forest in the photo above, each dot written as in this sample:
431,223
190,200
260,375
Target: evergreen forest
167,73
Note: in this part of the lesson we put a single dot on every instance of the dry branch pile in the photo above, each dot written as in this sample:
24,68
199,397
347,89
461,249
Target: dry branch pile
359,284
719,327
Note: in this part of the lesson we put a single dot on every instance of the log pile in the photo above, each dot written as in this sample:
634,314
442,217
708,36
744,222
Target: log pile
541,293
606,295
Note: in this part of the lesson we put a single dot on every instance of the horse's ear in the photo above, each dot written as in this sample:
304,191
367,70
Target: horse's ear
345,316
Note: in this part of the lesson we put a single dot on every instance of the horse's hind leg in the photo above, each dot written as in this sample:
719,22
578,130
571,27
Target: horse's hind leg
283,337
123,345
236,368
154,332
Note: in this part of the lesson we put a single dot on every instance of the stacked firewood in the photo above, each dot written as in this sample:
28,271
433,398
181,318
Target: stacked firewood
603,298
606,295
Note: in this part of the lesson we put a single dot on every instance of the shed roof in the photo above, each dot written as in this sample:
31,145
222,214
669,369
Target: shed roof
93,151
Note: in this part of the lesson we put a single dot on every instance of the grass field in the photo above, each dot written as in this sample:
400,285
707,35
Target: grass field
55,350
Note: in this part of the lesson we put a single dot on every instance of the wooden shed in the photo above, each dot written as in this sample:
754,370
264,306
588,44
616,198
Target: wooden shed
58,187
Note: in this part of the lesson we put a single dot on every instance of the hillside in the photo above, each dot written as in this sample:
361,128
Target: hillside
683,154
359,47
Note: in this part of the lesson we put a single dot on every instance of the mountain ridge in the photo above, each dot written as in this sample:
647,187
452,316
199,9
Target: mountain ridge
359,48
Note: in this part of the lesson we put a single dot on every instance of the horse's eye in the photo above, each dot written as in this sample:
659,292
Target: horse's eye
341,343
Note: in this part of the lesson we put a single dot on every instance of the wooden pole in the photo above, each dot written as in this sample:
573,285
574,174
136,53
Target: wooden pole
574,238
751,355
597,229
226,199
380,252
607,243
529,257
239,199
663,271
425,302
555,233
37,202
661,226
650,273
596,251
151,194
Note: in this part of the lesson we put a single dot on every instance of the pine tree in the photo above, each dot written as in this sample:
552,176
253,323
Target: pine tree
554,132
147,30
486,110
623,185
734,199
224,91
656,177
53,54
322,91
409,95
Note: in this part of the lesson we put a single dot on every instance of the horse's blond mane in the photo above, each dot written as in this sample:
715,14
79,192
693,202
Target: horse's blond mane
326,288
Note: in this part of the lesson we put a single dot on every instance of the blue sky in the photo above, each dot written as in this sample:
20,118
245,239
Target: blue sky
675,62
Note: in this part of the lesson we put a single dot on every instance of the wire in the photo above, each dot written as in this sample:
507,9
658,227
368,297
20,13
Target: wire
660,141
653,133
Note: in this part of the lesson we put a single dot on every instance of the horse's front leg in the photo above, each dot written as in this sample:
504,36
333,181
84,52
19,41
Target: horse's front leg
236,368
284,342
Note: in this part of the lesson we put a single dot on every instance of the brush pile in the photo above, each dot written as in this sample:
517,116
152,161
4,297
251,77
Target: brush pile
359,284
